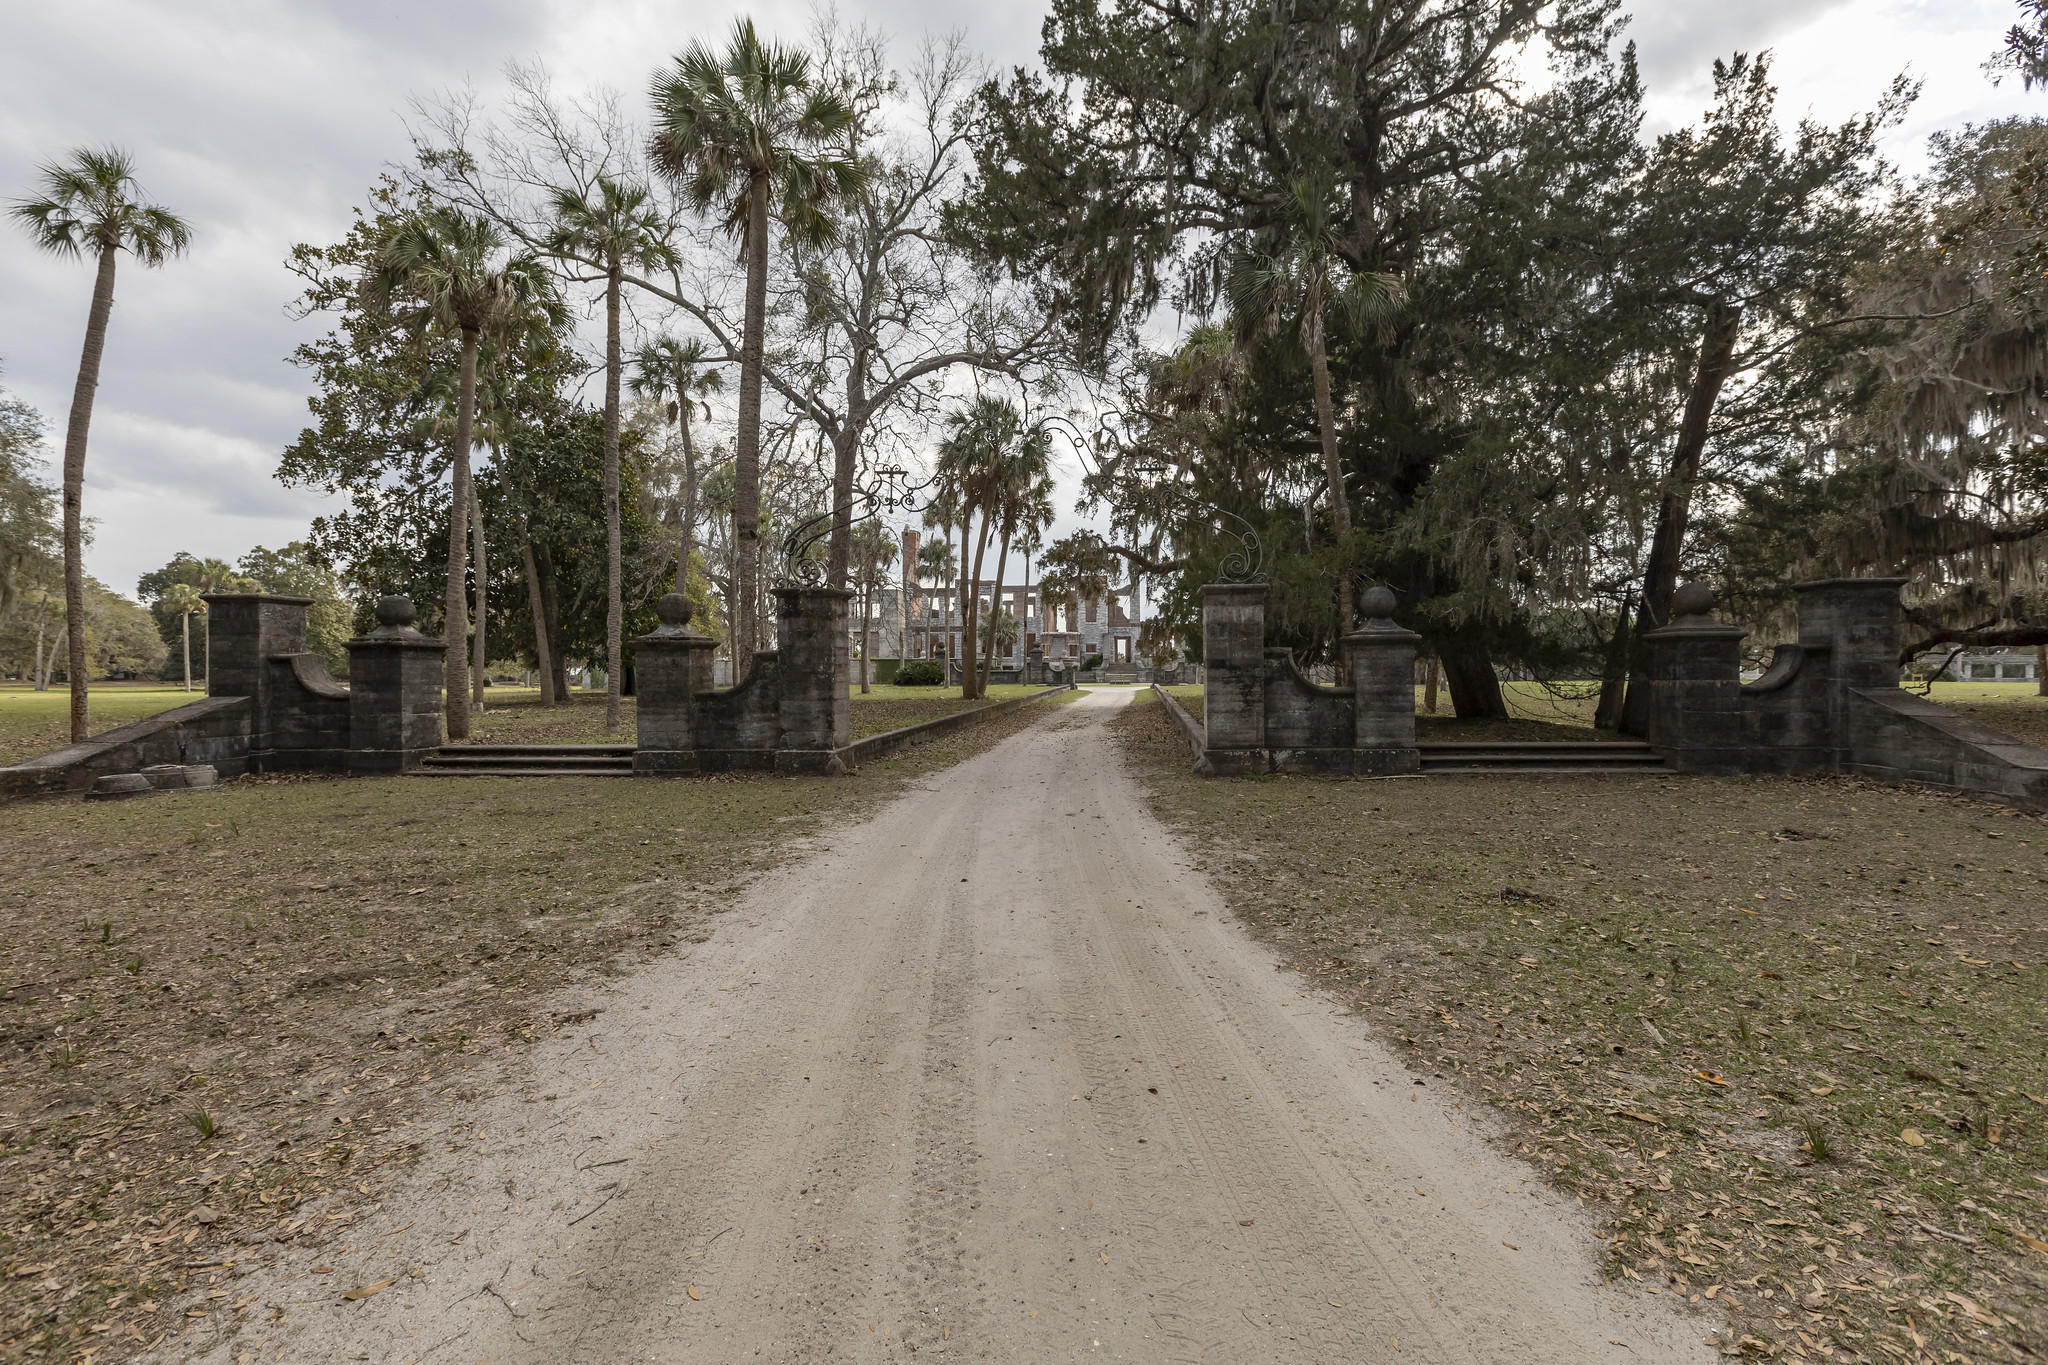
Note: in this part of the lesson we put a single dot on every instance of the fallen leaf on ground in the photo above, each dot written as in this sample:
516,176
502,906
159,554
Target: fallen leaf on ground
370,1290
1911,1137
692,1292
1710,1078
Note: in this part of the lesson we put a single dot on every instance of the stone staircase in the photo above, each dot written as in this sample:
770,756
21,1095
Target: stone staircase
1616,756
529,760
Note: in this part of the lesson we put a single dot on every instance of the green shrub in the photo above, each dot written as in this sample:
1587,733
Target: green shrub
920,673
1092,661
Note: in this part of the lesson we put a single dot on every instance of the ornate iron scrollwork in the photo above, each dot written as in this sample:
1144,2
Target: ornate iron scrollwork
1247,562
802,567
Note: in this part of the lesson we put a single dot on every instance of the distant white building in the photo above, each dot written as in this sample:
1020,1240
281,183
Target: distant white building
926,623
2001,665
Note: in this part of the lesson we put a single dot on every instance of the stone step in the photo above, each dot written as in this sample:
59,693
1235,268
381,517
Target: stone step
1593,757
529,760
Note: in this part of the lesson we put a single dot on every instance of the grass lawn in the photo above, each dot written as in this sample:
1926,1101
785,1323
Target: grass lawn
33,723
305,965
1790,1036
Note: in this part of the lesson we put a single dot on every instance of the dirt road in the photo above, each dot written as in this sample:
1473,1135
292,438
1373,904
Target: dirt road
993,1078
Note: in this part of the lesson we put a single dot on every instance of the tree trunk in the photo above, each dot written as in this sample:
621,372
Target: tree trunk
1340,501
746,492
40,679
2041,669
456,682
481,656
614,602
542,652
185,619
551,607
689,528
995,605
1614,677
970,625
1429,685
1475,691
74,487
867,635
1660,578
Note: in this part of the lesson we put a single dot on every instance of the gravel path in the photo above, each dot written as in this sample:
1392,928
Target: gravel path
992,1078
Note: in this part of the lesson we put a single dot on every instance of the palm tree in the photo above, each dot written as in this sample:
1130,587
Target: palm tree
936,561
1022,486
972,470
90,203
187,596
874,550
663,367
742,129
617,227
446,271
1299,276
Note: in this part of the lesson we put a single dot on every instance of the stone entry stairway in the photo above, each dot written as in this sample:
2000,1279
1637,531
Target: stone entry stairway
1600,756
528,760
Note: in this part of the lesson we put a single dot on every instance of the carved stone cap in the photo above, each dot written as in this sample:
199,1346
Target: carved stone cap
1257,590
1692,617
1378,628
395,615
675,612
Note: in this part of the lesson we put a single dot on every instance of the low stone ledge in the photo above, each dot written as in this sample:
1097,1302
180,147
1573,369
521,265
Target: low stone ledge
1191,730
213,732
876,746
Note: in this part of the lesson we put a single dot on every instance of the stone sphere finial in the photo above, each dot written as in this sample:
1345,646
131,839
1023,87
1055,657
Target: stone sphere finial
674,609
1377,604
1694,599
395,610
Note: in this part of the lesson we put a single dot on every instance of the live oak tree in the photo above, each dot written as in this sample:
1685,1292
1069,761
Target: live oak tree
89,205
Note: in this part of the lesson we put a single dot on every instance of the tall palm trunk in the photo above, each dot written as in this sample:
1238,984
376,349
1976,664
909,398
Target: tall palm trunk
614,605
456,683
480,653
1674,511
995,605
74,487
689,537
867,633
1340,501
537,608
746,490
970,636
186,621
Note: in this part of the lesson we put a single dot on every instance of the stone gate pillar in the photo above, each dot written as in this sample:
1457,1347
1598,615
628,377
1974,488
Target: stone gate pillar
671,666
244,631
394,693
813,720
1234,689
1858,619
1696,686
1381,657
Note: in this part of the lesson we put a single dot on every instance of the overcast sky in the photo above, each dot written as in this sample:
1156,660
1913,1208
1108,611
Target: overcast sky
263,122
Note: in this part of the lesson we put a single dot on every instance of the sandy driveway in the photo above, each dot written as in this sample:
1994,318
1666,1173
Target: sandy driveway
992,1079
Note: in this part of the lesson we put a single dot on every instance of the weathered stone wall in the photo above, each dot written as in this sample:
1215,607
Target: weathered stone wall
1264,715
213,731
1829,703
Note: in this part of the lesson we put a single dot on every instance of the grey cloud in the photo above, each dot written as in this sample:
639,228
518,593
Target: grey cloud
1678,40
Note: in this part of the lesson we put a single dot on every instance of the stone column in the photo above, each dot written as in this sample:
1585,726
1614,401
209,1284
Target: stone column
670,666
1381,657
1696,686
1859,619
243,631
813,720
1234,694
394,693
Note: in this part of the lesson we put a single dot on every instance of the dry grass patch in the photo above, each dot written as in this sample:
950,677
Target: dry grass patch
223,1012
1792,1035
33,723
